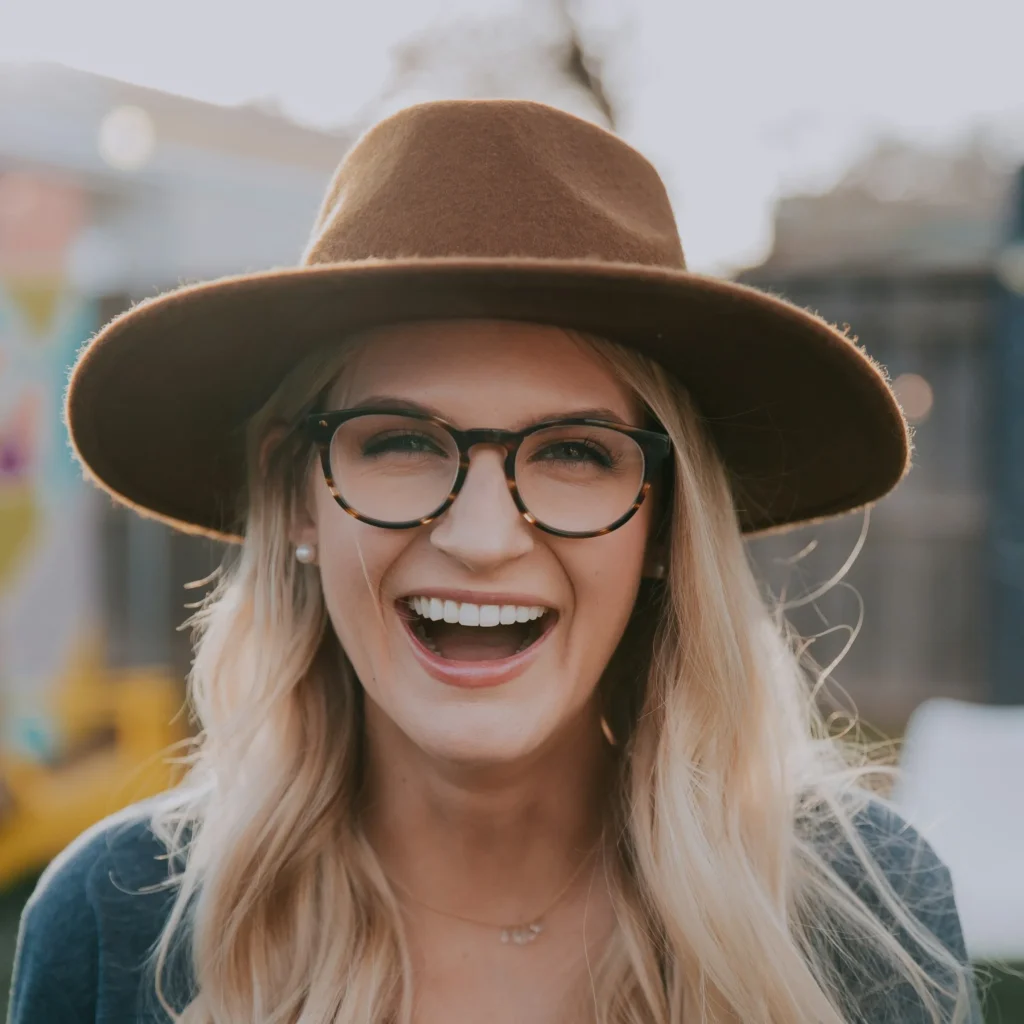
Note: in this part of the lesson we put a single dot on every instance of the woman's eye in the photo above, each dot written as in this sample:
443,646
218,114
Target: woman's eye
412,444
574,451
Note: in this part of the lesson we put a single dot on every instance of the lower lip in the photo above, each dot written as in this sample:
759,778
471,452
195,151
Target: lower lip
472,675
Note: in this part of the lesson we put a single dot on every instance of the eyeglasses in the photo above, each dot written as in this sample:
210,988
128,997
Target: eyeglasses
568,477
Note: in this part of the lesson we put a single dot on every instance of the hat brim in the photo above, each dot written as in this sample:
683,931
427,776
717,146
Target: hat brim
804,420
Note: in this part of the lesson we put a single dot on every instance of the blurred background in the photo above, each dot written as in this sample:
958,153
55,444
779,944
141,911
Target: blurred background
862,159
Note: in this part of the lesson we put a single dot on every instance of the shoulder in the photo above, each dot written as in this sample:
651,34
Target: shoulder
909,865
895,861
106,868
90,921
905,859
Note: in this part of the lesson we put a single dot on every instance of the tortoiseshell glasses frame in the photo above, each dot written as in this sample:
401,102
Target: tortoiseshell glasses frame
320,428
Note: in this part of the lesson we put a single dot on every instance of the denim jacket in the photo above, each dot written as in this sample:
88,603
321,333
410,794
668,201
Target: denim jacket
87,928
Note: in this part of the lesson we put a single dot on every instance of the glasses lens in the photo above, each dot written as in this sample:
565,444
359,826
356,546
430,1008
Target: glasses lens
393,468
579,479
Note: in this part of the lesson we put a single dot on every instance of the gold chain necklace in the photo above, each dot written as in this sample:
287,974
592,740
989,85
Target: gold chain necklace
521,934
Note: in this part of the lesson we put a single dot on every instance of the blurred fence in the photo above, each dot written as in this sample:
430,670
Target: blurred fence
922,575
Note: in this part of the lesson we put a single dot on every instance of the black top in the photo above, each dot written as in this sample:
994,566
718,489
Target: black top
87,929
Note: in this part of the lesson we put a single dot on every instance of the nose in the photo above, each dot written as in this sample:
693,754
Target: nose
483,528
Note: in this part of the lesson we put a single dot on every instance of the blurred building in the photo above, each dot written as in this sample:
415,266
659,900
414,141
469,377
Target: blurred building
906,250
110,193
900,207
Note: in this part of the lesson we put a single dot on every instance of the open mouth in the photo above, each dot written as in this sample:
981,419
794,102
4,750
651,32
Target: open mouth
462,631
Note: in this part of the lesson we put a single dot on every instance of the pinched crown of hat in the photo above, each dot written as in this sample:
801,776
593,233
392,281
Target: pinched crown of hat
485,209
495,180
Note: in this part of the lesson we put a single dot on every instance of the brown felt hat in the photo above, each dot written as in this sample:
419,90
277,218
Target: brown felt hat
502,209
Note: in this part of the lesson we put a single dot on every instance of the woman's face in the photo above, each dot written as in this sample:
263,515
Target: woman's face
458,691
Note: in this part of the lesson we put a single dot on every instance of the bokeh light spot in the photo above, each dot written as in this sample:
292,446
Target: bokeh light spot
127,138
915,395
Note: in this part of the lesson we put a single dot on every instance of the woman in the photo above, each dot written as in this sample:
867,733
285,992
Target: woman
495,724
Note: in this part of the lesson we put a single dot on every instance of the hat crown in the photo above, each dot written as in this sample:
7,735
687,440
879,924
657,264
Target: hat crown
494,179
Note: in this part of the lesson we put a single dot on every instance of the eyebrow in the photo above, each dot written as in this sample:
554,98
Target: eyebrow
422,409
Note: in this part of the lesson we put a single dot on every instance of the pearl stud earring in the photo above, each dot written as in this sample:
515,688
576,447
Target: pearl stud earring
305,553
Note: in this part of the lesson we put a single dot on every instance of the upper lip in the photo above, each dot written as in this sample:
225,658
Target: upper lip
479,597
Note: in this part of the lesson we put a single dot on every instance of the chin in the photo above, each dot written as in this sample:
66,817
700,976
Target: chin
476,740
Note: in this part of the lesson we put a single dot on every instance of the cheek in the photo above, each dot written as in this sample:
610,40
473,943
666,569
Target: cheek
354,559
616,561
605,582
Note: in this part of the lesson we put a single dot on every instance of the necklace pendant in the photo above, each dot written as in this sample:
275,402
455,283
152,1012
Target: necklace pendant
521,934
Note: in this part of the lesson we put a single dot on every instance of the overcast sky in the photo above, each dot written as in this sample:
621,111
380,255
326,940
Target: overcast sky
735,102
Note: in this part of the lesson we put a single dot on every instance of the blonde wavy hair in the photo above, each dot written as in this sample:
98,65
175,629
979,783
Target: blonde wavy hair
732,798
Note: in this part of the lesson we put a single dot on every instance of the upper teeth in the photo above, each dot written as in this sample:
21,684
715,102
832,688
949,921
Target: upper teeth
474,614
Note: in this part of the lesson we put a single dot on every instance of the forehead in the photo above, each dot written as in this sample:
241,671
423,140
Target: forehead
484,372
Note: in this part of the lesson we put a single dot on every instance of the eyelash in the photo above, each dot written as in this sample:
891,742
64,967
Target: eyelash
382,440
608,458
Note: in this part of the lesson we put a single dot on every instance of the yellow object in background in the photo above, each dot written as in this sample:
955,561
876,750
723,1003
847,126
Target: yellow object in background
18,515
120,758
37,298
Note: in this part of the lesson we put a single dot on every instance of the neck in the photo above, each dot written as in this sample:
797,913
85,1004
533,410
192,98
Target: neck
491,841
